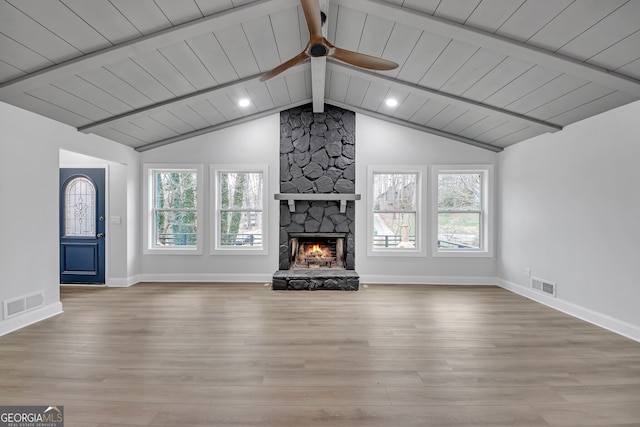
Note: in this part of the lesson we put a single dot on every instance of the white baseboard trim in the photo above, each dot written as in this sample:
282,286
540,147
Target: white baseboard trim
426,280
266,278
29,318
602,320
215,278
122,282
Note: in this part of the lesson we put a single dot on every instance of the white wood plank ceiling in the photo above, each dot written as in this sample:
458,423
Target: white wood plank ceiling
485,72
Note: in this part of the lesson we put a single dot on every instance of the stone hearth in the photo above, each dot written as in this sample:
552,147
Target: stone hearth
310,280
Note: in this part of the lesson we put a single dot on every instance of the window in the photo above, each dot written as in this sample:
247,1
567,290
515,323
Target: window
461,217
173,209
80,208
395,200
240,218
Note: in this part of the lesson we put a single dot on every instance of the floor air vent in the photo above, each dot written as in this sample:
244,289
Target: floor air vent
16,306
544,286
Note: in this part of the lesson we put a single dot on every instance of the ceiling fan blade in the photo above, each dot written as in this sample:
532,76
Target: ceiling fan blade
311,10
361,60
285,66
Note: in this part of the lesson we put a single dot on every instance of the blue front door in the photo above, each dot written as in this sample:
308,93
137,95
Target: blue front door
82,226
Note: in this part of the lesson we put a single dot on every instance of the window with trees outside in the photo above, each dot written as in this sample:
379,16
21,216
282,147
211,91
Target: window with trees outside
462,217
395,214
240,219
174,211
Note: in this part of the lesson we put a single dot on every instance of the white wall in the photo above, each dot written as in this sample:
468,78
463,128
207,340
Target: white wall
29,163
381,143
570,211
255,142
258,142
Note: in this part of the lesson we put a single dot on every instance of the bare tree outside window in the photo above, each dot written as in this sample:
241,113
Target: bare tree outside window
174,206
240,212
460,210
394,210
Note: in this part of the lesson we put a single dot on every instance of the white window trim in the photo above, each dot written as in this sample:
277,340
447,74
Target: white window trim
486,249
214,170
149,248
421,198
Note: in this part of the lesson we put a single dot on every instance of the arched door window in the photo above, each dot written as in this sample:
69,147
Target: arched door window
80,208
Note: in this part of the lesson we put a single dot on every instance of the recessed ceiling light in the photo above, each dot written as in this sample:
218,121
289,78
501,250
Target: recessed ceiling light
391,102
244,102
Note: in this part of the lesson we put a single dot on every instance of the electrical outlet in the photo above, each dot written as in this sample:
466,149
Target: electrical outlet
527,272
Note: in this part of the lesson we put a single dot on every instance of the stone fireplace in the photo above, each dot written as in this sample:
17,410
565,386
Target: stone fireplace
317,200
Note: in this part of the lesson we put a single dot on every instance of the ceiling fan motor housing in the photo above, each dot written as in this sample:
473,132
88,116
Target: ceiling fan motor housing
318,50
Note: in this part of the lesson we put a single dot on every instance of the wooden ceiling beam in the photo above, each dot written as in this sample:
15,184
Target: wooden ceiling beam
496,43
188,30
319,68
318,82
442,96
218,127
184,100
416,126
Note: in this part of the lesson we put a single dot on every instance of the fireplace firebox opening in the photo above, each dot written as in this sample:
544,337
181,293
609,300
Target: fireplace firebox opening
317,251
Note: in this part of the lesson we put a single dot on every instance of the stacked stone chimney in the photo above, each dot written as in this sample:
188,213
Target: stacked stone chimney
317,155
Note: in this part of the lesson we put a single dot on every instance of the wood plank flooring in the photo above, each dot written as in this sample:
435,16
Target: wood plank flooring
179,354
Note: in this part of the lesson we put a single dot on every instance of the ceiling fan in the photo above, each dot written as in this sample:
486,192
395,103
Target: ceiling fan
318,46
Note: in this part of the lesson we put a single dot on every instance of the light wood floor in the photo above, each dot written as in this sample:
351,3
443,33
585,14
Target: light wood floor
243,355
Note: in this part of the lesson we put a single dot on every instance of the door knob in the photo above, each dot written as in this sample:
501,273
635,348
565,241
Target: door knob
100,235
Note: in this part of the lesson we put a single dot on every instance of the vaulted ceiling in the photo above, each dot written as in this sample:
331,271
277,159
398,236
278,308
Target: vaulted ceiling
490,73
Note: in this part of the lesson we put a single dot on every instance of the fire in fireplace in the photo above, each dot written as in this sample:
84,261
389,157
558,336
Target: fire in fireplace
317,251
